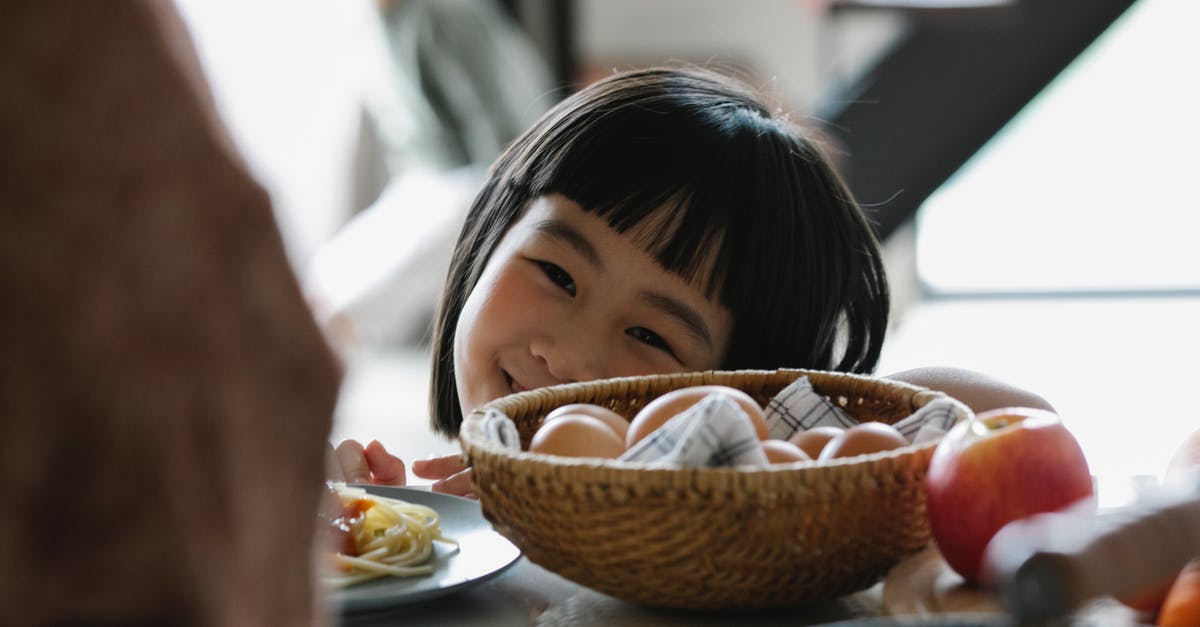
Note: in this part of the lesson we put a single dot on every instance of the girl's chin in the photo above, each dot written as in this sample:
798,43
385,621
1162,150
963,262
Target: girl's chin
471,399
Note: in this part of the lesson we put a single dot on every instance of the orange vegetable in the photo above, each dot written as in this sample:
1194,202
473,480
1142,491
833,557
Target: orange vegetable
1181,608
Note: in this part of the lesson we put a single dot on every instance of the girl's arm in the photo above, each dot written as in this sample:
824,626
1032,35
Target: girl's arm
978,391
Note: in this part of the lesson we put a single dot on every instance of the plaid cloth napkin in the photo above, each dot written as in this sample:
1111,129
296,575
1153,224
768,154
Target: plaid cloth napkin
713,432
798,408
716,431
501,429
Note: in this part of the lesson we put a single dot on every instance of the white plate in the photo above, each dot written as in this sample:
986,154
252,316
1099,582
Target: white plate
482,554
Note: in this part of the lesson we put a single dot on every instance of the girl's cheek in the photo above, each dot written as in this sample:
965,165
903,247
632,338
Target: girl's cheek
508,301
631,360
465,379
498,314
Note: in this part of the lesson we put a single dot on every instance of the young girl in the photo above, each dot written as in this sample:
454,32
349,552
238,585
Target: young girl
661,220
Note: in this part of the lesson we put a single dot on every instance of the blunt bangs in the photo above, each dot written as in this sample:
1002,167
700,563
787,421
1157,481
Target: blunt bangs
674,162
731,197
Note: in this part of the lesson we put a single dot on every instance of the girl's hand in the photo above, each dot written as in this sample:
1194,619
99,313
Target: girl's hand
352,463
452,475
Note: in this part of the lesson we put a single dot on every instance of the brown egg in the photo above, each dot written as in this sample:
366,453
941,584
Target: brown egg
811,441
867,437
676,402
577,436
615,421
782,452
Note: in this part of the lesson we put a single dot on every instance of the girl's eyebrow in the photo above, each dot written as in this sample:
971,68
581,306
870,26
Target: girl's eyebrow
686,315
573,238
681,312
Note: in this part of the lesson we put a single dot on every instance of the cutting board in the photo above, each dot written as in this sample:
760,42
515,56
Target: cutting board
925,585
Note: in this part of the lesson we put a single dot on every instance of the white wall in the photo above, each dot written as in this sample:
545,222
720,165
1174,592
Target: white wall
287,76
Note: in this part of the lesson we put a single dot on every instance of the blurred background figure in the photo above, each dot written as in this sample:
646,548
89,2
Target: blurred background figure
459,80
465,80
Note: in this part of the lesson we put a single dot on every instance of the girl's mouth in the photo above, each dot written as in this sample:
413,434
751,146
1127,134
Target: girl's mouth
513,384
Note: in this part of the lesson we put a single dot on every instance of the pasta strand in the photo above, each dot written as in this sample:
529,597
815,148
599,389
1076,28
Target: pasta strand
391,538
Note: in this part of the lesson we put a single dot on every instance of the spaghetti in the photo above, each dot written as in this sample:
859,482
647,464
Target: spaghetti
382,536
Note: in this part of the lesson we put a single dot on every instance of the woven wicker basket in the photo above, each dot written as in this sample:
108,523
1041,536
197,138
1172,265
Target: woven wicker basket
710,537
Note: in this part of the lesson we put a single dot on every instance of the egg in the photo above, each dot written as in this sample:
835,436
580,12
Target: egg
863,438
675,402
615,421
783,452
812,440
577,435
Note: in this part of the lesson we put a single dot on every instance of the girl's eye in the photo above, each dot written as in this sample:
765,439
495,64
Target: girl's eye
650,338
558,276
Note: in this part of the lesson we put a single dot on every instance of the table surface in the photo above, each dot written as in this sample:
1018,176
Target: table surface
528,594
384,397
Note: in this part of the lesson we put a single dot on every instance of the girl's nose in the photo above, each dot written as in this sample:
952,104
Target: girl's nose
569,354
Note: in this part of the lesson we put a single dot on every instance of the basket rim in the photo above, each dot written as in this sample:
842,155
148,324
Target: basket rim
479,450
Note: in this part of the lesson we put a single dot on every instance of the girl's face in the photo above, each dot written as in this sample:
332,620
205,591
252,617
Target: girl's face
565,298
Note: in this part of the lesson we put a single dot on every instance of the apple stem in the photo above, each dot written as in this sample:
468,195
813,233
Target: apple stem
977,426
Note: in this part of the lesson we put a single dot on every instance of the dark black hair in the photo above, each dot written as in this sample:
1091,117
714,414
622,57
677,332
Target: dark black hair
761,218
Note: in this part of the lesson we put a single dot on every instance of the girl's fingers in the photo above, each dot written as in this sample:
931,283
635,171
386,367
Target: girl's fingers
385,468
438,467
458,484
353,461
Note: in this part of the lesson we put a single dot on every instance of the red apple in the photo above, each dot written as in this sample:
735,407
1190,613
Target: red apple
995,468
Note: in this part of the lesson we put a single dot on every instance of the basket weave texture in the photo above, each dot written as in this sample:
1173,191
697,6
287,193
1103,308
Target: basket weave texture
708,538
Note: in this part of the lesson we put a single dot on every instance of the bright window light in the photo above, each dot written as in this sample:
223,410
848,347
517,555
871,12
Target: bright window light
1092,186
